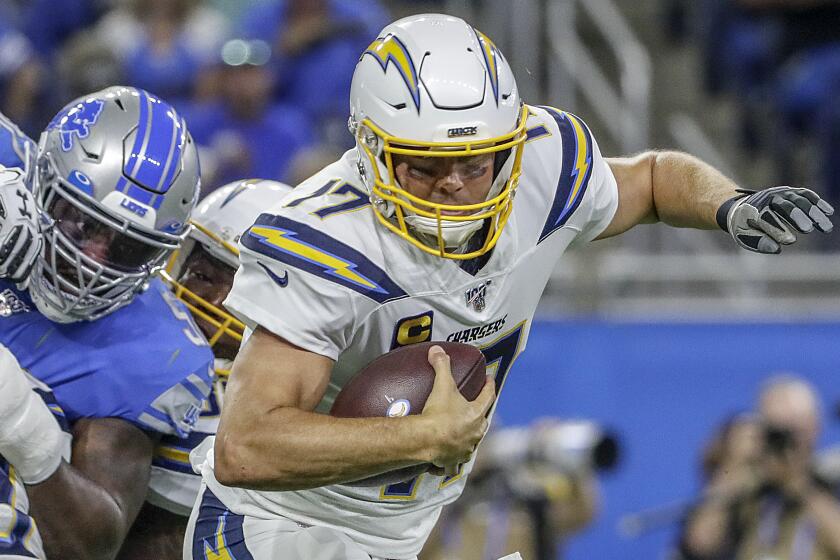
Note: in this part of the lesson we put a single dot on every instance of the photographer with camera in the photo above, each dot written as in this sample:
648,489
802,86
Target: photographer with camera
531,489
763,499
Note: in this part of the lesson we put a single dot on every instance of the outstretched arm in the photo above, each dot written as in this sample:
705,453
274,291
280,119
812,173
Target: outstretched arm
671,187
680,190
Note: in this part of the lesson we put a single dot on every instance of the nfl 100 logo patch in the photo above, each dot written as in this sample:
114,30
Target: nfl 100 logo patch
476,297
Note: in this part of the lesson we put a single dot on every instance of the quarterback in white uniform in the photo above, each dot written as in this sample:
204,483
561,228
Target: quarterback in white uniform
412,236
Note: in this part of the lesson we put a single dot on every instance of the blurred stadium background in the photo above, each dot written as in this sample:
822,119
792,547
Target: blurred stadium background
660,334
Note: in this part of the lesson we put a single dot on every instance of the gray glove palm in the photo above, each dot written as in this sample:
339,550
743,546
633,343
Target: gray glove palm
763,221
20,237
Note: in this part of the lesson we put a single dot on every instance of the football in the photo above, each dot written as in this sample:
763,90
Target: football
398,384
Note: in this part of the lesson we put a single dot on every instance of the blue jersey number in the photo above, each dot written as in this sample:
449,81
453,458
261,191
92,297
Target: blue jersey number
500,355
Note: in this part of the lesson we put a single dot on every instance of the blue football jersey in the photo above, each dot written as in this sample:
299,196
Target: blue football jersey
146,363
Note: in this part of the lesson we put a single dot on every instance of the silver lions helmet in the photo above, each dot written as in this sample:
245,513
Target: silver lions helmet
117,178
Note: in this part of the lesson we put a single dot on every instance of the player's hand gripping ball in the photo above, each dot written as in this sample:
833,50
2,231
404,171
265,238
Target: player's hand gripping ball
398,384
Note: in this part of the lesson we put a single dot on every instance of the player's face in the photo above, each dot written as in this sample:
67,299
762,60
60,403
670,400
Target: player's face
210,279
446,180
99,241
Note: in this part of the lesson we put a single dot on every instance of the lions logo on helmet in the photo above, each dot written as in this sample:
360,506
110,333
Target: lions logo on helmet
76,121
117,178
464,88
201,272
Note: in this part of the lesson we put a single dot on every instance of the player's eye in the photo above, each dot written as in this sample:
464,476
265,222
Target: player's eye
475,171
200,274
419,172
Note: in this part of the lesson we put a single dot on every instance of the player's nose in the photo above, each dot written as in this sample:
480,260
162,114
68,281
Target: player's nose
450,183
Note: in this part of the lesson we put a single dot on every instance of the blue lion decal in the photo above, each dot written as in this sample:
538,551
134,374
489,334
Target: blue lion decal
76,121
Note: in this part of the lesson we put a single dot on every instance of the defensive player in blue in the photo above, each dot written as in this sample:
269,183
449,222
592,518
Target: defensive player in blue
115,178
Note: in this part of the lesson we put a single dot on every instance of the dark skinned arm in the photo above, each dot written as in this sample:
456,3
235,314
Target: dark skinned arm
157,533
85,509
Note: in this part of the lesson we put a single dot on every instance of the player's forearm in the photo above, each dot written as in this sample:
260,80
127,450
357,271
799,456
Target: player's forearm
292,449
76,517
687,192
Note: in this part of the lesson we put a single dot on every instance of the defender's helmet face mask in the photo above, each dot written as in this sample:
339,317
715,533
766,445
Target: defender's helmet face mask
117,177
432,86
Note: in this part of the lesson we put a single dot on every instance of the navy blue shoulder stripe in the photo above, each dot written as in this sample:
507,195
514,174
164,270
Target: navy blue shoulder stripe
575,172
306,248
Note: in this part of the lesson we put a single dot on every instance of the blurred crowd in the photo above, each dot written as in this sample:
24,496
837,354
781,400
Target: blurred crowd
263,84
780,61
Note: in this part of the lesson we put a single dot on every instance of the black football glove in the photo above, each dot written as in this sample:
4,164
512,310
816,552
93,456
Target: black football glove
763,221
20,233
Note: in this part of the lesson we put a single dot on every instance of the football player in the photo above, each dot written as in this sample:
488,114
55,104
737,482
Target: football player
115,360
443,223
201,275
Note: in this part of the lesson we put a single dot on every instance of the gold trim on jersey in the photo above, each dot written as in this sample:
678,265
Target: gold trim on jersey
408,497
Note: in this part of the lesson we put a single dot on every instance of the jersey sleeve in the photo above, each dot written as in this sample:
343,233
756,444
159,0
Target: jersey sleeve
568,170
178,376
600,201
291,281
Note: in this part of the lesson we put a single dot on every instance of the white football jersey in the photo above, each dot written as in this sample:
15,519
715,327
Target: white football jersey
320,272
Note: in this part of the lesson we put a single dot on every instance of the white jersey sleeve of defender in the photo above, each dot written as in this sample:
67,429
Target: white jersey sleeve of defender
303,309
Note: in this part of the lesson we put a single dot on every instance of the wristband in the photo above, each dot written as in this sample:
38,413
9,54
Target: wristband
722,214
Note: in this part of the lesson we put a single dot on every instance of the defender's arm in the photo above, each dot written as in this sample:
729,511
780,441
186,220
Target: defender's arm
84,510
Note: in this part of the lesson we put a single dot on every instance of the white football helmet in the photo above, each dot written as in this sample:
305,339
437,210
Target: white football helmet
434,86
218,222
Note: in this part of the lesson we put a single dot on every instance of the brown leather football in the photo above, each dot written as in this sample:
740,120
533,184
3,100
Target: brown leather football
398,384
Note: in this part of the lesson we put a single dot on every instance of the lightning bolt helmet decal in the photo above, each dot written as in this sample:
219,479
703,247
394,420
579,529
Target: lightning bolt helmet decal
390,49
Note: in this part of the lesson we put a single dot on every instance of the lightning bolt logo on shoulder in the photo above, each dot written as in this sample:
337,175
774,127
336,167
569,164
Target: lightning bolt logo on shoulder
303,247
